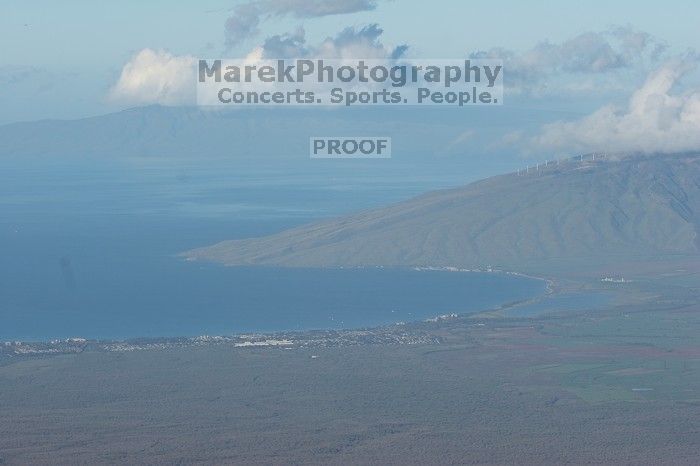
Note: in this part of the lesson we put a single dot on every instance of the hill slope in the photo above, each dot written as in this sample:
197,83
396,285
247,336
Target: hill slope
601,211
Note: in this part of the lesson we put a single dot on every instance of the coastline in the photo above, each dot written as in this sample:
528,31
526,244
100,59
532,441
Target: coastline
410,332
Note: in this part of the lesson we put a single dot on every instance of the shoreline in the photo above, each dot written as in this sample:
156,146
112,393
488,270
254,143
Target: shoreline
280,339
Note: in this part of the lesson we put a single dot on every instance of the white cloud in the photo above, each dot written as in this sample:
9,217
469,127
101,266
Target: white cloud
358,43
156,77
657,118
349,43
316,8
242,24
588,60
159,77
246,17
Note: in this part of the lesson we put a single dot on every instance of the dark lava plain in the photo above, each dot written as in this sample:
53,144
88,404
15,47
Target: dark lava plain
614,386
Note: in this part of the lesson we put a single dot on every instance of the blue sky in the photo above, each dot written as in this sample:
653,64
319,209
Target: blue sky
61,59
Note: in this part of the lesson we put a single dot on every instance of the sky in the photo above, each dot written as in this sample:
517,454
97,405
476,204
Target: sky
621,70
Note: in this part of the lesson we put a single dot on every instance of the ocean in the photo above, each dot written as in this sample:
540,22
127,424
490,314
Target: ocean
89,250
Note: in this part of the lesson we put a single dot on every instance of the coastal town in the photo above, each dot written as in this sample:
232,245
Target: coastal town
397,334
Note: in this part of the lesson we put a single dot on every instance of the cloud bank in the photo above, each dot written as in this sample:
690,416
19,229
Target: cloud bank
660,116
657,118
576,63
159,77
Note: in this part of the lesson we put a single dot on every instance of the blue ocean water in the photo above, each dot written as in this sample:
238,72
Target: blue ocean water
91,251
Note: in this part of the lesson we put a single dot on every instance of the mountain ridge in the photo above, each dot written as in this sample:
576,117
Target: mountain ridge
601,211
253,133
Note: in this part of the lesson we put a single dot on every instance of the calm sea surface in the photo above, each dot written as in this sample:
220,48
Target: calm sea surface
90,251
